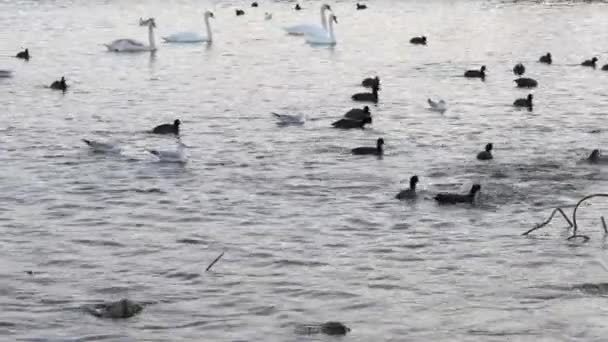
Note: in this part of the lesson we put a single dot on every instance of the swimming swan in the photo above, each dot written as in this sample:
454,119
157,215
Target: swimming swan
302,29
192,37
131,45
326,38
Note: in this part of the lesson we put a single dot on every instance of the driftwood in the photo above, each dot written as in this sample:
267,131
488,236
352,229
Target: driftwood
571,223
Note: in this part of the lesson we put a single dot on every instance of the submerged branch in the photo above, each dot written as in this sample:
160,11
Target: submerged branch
214,261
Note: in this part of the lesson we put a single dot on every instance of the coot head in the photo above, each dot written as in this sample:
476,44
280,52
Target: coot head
176,123
595,155
475,189
530,97
489,147
594,59
483,68
379,142
413,182
366,109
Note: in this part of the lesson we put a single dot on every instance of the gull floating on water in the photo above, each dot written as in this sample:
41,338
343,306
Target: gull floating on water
171,156
289,119
101,147
439,106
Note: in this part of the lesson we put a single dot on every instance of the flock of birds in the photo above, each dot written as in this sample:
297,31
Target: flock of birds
355,118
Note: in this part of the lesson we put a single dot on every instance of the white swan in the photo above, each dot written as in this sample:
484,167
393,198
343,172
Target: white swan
192,37
288,119
131,45
325,38
439,106
303,29
102,147
171,156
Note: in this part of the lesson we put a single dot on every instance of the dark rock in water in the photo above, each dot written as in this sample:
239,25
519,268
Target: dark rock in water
328,328
123,308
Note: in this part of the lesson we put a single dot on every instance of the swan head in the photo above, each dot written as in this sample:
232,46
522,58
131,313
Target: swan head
333,18
148,22
326,7
209,14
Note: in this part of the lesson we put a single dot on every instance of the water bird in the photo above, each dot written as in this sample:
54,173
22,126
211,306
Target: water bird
409,193
605,67
546,59
349,124
289,119
519,69
450,198
171,156
168,128
132,45
59,85
367,97
101,147
328,38
303,29
376,151
328,328
358,113
193,37
590,62
487,153
123,308
526,82
527,102
418,40
371,82
596,158
439,106
25,54
239,12
297,7
254,4
361,6
267,16
481,73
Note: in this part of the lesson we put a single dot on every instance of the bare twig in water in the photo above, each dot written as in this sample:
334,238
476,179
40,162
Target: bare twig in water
572,223
214,261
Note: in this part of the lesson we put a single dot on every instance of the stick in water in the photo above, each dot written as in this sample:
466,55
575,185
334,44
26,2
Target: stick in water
214,261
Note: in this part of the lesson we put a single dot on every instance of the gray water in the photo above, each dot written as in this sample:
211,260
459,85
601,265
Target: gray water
310,232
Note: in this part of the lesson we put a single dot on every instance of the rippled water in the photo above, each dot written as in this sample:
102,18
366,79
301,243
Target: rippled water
311,233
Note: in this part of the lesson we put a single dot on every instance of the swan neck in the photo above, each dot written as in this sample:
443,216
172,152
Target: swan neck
331,30
151,37
208,27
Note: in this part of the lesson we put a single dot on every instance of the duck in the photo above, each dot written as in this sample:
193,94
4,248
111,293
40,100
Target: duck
418,40
367,97
59,85
596,158
254,4
361,6
168,128
527,102
358,113
481,73
437,106
348,123
297,7
590,62
101,147
376,151
526,82
546,59
450,198
605,67
409,193
519,69
25,54
239,12
371,82
487,154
